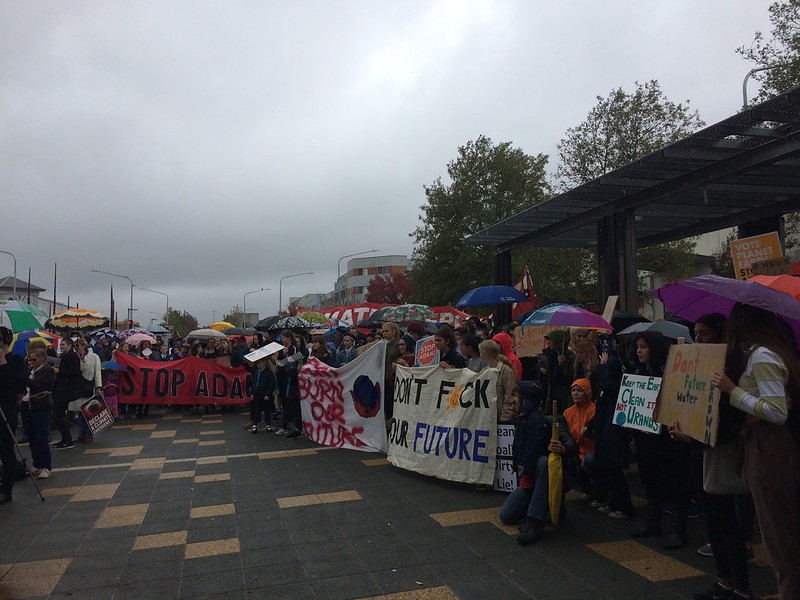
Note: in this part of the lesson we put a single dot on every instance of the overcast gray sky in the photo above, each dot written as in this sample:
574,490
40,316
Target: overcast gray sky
206,149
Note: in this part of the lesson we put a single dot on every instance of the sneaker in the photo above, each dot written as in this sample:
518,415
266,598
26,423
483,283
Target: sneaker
617,514
43,474
34,471
751,556
254,430
604,509
62,445
294,435
281,431
705,550
530,531
695,510
715,592
269,428
595,504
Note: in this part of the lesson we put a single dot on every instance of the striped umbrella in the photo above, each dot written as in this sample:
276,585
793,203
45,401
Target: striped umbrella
77,318
18,316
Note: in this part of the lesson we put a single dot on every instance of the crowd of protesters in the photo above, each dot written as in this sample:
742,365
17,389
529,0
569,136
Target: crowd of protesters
572,383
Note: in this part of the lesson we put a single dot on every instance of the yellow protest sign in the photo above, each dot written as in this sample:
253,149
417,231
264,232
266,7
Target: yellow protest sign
529,341
746,251
687,394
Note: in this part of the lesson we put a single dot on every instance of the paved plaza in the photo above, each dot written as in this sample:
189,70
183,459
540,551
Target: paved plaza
175,506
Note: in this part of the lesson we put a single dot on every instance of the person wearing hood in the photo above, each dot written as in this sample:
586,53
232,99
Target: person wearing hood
577,416
559,369
663,462
506,346
506,383
527,506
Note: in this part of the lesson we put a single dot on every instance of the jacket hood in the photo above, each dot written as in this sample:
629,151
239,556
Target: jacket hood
505,343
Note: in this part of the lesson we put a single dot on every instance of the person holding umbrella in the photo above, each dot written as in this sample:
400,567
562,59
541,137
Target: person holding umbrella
762,361
13,377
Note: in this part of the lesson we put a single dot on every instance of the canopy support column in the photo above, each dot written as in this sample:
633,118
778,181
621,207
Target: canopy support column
502,276
616,255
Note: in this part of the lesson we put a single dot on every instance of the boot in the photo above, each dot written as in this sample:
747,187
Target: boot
652,523
677,538
530,531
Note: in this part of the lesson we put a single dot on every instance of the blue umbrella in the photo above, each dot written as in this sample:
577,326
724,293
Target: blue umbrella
491,294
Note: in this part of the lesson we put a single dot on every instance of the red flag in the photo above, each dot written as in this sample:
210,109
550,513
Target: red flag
525,285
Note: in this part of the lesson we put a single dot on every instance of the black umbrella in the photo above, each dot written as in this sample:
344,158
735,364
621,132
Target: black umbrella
267,323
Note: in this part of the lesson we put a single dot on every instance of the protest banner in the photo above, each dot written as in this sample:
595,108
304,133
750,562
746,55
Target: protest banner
352,314
746,251
344,407
505,477
190,380
530,341
263,352
445,423
447,315
97,415
426,354
636,402
687,394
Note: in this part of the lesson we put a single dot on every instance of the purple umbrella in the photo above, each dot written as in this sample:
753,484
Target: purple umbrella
697,296
566,315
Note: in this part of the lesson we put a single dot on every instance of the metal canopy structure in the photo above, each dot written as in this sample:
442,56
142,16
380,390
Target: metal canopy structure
745,168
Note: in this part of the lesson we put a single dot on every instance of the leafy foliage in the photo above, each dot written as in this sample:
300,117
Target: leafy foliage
488,182
183,322
781,50
235,316
392,288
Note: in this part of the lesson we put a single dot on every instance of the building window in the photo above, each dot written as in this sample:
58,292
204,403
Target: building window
383,270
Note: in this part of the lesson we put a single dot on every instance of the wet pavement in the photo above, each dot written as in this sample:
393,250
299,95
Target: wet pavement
193,506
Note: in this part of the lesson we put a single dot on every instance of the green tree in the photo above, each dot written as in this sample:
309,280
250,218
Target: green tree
183,322
487,182
620,129
780,51
235,316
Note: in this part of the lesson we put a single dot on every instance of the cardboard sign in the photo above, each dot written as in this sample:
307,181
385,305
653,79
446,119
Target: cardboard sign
97,415
505,477
445,423
746,251
636,402
687,394
530,341
426,353
773,266
263,352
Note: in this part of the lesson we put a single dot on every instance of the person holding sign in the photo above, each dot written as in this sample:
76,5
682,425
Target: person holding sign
663,462
762,360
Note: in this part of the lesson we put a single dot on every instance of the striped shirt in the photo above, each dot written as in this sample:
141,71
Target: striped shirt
761,390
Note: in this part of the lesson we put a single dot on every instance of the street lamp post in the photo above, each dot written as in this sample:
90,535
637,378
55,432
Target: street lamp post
280,287
166,314
15,271
244,304
130,310
339,264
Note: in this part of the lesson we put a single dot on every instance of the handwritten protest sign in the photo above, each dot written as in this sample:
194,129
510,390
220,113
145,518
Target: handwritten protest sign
636,402
263,352
505,477
344,407
687,394
445,423
529,341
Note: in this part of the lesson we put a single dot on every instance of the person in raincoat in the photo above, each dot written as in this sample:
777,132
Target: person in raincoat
508,351
527,506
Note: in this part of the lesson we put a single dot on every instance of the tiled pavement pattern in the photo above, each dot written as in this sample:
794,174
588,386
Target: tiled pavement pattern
172,507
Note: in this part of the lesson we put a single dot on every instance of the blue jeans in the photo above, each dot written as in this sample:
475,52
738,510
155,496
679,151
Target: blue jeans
36,424
531,503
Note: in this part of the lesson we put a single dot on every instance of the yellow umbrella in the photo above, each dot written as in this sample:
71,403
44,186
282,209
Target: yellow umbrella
221,325
555,475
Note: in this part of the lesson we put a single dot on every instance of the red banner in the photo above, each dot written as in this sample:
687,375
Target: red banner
188,381
352,314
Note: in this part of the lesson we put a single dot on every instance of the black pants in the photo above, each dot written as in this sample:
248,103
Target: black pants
60,403
665,474
7,454
727,542
261,405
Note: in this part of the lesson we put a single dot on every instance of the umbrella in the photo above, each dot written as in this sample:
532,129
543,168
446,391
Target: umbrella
697,296
668,329
18,316
204,334
291,323
555,475
157,329
221,325
313,317
133,331
105,333
77,318
266,323
621,319
20,341
112,365
374,320
566,315
783,283
138,338
491,294
408,312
